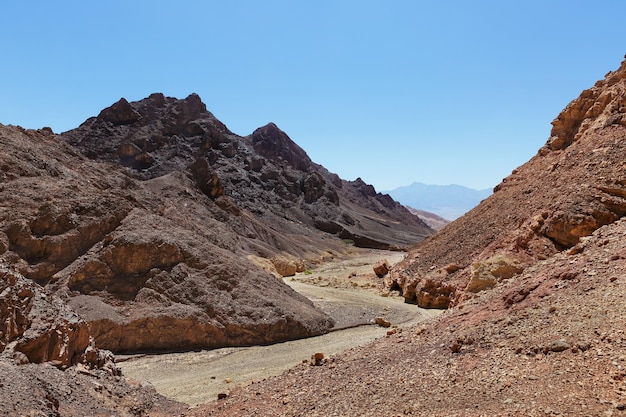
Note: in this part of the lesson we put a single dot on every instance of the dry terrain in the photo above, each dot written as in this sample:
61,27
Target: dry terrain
152,227
346,289
549,342
534,283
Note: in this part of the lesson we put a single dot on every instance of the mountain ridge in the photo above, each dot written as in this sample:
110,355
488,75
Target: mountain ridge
532,279
166,231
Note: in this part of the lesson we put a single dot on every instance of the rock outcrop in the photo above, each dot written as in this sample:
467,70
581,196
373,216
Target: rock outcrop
573,186
39,328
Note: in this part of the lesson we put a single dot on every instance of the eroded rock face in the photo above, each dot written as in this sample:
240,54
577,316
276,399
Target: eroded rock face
572,187
37,328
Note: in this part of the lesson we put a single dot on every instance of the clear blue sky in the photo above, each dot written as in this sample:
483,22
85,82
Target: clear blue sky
395,91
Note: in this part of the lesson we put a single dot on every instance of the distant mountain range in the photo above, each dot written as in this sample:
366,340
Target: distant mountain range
447,201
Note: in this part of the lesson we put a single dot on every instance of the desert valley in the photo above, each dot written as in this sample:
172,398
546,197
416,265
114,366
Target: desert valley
151,242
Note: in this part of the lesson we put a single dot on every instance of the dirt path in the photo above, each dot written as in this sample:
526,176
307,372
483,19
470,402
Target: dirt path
346,289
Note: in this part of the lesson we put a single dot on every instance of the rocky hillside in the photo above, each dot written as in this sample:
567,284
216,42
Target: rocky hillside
533,281
265,173
573,186
165,231
49,365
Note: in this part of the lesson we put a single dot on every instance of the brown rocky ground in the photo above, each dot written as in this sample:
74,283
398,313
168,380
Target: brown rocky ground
43,390
49,365
348,291
548,342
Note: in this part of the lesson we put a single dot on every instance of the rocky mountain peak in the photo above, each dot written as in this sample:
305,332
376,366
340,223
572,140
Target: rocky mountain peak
363,188
159,226
191,108
274,144
120,113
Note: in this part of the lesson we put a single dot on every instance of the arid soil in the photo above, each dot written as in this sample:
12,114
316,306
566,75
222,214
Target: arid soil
346,289
549,342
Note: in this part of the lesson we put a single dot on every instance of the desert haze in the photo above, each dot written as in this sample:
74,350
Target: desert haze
152,228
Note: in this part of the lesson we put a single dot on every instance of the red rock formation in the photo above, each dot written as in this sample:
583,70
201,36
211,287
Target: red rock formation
381,268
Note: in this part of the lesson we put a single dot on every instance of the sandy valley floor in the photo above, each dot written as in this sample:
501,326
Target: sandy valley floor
346,289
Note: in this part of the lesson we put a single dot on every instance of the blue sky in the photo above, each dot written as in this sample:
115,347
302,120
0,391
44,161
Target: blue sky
439,92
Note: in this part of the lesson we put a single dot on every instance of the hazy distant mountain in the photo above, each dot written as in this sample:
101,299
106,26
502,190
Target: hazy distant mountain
447,201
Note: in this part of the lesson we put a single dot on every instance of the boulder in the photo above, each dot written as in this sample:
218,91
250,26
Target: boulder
382,322
287,267
381,268
486,274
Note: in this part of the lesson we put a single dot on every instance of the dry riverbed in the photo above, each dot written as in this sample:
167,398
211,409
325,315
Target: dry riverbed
346,289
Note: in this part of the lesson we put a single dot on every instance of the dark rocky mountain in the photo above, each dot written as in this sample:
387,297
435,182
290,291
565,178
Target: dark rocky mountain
162,228
265,173
152,227
447,201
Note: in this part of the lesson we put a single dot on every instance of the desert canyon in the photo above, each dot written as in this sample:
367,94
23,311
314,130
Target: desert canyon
152,228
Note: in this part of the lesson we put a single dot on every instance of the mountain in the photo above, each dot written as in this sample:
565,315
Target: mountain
151,227
161,228
447,201
143,221
533,282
